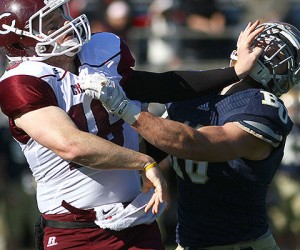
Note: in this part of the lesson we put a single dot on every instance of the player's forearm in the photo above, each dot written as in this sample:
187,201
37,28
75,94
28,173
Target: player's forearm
98,153
172,137
177,85
184,142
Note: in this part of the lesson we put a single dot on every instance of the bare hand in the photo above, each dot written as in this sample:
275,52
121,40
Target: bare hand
153,178
247,55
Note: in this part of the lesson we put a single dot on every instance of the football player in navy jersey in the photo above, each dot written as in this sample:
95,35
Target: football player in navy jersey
86,161
226,147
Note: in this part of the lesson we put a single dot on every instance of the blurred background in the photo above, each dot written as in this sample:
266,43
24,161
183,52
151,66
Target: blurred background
166,35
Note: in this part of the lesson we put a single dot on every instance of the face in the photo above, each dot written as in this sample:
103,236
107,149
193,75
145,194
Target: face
272,50
52,22
272,63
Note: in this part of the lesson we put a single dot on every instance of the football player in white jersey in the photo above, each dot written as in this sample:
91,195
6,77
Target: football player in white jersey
228,146
86,161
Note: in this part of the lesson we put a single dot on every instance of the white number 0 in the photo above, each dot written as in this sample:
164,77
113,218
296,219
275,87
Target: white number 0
196,170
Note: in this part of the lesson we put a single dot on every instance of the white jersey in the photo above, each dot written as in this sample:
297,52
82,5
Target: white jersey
33,85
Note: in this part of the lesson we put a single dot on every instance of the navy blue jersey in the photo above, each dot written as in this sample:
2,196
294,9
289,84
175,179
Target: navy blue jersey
224,202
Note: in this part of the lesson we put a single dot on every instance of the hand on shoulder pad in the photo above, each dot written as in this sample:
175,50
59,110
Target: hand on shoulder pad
112,96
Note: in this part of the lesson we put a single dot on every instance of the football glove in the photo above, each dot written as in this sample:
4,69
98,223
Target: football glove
112,96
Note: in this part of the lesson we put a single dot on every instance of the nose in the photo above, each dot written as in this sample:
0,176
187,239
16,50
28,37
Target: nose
66,22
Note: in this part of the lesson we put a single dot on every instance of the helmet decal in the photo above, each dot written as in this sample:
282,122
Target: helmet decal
13,23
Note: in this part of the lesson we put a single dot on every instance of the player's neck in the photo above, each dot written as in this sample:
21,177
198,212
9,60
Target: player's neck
236,88
64,62
246,83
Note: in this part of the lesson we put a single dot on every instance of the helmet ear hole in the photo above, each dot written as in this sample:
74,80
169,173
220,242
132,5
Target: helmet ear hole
17,46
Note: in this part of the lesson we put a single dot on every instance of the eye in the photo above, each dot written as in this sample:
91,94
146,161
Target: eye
52,29
54,21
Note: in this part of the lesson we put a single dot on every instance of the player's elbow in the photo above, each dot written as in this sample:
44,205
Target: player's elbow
69,150
179,146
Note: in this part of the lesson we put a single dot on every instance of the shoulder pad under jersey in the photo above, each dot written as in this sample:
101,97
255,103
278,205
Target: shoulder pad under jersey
29,68
100,49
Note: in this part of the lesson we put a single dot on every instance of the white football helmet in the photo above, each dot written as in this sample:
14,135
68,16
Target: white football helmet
278,68
17,33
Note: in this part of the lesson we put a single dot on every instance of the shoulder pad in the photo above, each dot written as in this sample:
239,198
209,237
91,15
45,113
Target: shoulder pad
101,48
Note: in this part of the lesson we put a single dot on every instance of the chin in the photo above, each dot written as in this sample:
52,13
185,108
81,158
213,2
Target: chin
60,61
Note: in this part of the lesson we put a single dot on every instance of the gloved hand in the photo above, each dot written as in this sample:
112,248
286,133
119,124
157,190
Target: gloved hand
111,95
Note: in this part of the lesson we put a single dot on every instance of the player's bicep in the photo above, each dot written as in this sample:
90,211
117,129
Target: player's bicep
50,126
246,143
228,142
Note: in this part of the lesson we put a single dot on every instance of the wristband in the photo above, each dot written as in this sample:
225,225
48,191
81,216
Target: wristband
128,111
151,165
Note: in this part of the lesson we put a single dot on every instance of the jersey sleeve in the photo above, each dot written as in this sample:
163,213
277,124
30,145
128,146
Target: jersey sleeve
258,112
22,93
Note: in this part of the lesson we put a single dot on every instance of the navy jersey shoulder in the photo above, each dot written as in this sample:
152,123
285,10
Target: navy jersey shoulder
229,194
249,105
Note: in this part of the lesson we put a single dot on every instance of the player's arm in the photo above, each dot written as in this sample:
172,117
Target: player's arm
211,143
179,85
51,127
67,141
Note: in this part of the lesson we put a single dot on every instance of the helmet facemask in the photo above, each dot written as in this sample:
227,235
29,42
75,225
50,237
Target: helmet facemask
277,69
47,45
